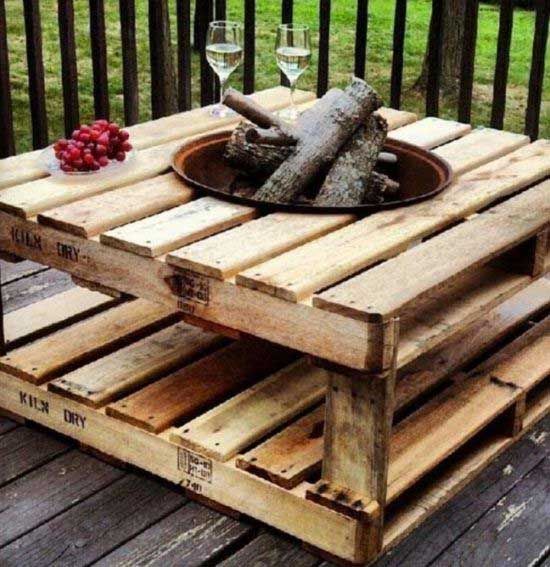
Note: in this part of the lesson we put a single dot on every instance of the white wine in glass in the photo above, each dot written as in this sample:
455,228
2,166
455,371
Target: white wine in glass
224,53
293,53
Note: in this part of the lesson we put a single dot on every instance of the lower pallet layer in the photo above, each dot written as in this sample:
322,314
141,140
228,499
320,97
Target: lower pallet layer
225,484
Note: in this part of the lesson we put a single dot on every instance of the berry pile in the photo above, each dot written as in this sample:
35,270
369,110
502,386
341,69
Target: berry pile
92,147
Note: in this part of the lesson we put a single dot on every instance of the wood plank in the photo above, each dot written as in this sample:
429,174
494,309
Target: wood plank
504,469
294,276
379,292
135,365
228,428
290,456
208,381
517,527
176,227
10,272
334,337
102,333
97,525
6,424
431,132
224,255
89,217
481,146
192,535
39,495
229,486
24,449
52,313
26,167
427,371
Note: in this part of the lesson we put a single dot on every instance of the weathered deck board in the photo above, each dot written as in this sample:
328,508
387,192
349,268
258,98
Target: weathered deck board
23,450
38,496
192,535
97,525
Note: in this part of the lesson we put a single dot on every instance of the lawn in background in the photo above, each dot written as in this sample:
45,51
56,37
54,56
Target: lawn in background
342,40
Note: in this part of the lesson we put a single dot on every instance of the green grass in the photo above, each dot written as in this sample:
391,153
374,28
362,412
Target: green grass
268,15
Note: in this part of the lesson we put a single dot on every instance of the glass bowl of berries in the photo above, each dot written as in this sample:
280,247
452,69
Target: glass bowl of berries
97,148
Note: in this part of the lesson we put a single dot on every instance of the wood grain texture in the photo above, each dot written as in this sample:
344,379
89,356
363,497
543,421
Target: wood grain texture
176,227
247,417
135,365
104,332
52,313
38,496
442,259
431,132
295,275
97,525
23,450
192,535
208,381
103,212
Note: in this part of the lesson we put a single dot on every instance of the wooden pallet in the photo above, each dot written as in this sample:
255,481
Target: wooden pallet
241,424
386,307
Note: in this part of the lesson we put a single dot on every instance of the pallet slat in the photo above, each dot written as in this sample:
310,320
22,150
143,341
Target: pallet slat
135,365
297,274
230,427
379,292
176,227
105,211
46,315
431,132
208,381
47,357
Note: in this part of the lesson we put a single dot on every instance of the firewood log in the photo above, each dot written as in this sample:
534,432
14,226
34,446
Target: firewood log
348,178
269,136
380,187
258,160
320,143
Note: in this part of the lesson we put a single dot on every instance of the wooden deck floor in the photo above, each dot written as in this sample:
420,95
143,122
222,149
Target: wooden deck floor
59,505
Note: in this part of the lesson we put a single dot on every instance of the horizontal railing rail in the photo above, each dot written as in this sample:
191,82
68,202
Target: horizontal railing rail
172,78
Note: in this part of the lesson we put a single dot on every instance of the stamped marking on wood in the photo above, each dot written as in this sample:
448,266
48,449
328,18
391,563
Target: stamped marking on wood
34,402
194,466
189,287
26,238
74,418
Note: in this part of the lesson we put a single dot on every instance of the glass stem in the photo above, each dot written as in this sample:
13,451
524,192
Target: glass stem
293,109
222,89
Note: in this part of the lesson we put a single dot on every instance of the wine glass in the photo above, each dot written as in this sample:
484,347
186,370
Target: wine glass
293,53
224,53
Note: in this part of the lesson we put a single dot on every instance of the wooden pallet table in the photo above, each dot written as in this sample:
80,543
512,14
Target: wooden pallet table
335,377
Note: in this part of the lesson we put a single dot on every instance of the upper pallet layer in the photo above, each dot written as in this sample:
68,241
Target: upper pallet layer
321,284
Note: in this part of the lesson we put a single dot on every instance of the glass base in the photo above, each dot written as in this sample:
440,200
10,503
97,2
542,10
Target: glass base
289,114
221,111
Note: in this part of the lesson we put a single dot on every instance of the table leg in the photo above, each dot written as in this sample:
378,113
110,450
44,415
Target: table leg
359,414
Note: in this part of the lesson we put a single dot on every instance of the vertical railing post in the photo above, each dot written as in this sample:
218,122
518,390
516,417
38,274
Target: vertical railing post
205,14
287,17
536,78
324,47
69,74
361,30
434,59
7,145
467,61
249,75
163,88
35,64
399,23
98,43
127,10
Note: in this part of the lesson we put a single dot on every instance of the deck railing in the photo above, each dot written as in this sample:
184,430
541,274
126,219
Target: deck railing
162,72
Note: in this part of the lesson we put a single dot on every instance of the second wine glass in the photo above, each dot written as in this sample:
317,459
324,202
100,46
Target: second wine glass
224,53
293,52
